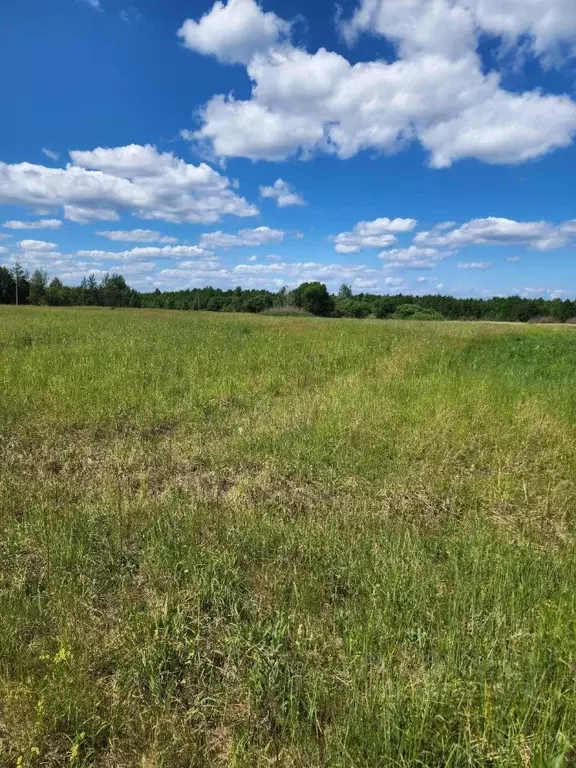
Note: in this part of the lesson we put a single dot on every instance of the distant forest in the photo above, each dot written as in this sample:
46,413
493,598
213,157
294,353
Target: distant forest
17,286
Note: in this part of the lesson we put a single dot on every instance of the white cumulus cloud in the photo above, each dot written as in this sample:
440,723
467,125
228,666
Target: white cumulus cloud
37,245
451,26
146,252
233,31
85,214
361,282
284,194
551,293
137,236
38,224
436,92
380,233
149,184
271,276
538,235
412,257
244,238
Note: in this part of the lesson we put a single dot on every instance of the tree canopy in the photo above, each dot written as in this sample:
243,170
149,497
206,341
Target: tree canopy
314,298
311,297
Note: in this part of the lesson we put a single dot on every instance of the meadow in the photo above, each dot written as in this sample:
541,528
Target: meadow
238,540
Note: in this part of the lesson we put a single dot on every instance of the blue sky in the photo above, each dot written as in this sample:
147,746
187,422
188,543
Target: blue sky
397,145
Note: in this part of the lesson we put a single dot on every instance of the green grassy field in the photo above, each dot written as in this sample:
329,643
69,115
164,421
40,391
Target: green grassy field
246,541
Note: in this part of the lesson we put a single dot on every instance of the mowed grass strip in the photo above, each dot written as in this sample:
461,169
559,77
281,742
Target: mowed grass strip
251,541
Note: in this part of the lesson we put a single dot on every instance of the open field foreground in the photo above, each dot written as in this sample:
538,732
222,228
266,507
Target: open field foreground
253,541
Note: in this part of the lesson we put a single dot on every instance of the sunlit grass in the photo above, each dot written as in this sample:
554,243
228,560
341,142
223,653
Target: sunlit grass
249,541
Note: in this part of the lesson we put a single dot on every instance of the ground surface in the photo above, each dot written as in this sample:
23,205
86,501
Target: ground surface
249,541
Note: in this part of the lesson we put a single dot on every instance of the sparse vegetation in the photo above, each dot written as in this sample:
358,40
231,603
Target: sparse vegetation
248,541
543,319
415,312
286,311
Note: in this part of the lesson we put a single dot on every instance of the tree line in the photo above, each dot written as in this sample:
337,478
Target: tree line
18,286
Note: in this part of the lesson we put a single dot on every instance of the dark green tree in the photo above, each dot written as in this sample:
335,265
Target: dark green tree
54,294
281,298
314,298
214,304
114,291
135,301
354,307
7,286
92,291
256,303
345,291
416,312
384,307
38,285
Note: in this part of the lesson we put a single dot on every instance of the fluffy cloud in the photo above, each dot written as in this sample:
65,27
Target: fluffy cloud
451,27
550,293
548,24
136,161
303,271
253,269
84,214
505,129
436,26
538,235
248,129
271,276
36,245
39,224
233,31
413,257
284,194
176,279
137,236
137,179
379,233
474,265
138,270
436,92
244,238
147,252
